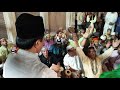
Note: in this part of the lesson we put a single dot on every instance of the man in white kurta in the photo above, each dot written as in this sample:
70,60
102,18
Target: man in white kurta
110,19
72,61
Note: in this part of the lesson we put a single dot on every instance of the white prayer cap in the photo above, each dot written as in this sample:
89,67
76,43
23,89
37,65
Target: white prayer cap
69,47
114,53
112,33
103,37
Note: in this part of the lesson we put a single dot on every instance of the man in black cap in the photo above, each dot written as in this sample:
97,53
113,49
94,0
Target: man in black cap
25,63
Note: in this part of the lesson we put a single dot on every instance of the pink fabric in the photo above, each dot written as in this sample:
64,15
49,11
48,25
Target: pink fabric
48,44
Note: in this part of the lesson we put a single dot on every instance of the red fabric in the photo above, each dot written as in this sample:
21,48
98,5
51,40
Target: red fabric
95,39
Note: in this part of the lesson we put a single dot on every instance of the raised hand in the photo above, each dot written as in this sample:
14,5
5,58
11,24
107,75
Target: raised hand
91,28
89,31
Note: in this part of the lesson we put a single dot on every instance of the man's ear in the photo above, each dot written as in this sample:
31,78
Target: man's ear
36,43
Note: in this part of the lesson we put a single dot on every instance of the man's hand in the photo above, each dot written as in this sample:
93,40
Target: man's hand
91,28
115,43
56,68
89,31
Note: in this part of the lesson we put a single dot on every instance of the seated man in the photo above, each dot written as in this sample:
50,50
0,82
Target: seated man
58,51
72,61
50,60
47,58
48,41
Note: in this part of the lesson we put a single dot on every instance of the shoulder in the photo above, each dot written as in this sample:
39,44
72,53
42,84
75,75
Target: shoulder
11,57
66,57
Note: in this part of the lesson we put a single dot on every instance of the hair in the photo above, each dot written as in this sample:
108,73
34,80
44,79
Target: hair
89,49
71,29
26,43
59,31
3,39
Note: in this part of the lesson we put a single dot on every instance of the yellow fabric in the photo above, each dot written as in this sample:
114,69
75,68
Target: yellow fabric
3,53
87,65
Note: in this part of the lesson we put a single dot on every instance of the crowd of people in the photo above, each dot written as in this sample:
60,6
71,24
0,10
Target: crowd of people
92,50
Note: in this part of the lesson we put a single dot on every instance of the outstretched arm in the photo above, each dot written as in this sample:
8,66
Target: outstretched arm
108,52
79,50
87,34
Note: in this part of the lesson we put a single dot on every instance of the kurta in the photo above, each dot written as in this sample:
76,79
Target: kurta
86,61
73,62
110,17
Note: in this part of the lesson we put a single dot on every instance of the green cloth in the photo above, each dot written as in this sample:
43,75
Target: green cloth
111,74
80,40
71,42
3,53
